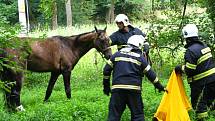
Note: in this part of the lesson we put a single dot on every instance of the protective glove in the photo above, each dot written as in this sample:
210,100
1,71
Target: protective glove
106,91
160,87
178,69
106,87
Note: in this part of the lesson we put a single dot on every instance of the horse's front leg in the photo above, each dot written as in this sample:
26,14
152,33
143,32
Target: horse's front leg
53,79
17,92
13,94
66,79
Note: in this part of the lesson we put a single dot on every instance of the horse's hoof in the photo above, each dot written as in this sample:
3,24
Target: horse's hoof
20,108
45,100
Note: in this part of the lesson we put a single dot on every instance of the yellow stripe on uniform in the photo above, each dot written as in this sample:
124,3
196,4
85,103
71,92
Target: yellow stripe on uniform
148,67
202,115
204,74
121,86
204,57
190,66
156,80
128,60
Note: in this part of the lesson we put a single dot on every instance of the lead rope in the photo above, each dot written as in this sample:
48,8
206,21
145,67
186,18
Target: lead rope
95,59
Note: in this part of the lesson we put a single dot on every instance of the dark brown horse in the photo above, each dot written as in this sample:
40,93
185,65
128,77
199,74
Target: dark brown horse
59,55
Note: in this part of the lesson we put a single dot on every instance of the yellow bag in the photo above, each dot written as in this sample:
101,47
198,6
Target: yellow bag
174,106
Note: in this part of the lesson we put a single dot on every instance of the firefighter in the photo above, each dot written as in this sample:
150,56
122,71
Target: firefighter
128,66
200,70
125,31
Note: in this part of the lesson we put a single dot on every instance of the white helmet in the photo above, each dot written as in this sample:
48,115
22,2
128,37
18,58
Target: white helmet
190,30
122,18
136,40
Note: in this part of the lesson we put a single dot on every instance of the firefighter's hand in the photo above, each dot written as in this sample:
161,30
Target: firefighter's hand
178,69
160,87
106,86
106,90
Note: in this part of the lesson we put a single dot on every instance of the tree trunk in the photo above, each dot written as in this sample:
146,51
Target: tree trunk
162,4
176,4
54,16
110,13
107,19
22,17
153,6
68,13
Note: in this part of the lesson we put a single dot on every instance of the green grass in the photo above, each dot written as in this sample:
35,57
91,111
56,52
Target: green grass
88,103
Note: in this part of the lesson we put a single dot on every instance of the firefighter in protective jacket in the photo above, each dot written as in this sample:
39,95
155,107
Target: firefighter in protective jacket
126,30
200,70
128,66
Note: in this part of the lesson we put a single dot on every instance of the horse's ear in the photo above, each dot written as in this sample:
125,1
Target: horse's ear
105,28
96,29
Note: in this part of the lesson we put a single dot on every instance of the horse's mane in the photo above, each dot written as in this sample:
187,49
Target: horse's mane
75,38
78,36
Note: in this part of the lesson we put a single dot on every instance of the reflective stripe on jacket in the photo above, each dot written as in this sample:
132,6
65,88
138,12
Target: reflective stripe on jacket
199,64
127,69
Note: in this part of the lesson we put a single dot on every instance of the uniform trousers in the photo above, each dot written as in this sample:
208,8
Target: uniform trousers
122,98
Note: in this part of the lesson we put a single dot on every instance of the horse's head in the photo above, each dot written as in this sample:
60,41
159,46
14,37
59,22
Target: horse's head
102,43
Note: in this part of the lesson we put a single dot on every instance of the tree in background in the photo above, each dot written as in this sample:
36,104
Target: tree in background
9,11
211,11
49,9
50,13
110,12
54,15
68,12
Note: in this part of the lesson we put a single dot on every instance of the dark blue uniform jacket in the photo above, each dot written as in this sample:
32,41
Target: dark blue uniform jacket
199,64
120,37
127,70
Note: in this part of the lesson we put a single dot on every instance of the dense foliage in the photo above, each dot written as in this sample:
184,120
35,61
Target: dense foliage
8,39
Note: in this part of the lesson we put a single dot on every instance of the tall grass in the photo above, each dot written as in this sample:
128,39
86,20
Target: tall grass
88,103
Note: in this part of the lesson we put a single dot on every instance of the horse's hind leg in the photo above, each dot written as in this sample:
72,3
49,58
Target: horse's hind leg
53,79
66,79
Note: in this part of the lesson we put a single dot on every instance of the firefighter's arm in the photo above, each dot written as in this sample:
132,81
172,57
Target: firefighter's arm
179,69
106,77
113,38
190,63
153,78
151,75
146,47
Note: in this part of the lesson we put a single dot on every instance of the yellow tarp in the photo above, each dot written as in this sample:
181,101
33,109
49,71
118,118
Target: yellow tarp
174,106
